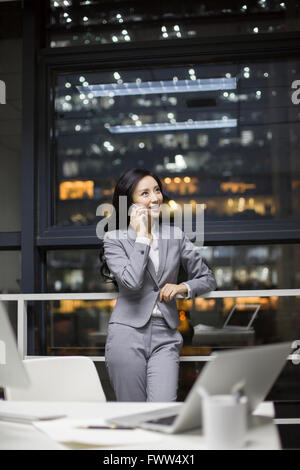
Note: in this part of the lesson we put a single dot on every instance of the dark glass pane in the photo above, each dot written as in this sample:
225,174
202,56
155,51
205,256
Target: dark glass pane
10,274
254,267
241,267
80,326
285,388
77,325
10,127
75,271
223,135
244,267
85,22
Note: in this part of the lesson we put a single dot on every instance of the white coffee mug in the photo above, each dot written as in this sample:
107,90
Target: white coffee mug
224,421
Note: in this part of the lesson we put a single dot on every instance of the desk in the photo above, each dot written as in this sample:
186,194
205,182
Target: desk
24,436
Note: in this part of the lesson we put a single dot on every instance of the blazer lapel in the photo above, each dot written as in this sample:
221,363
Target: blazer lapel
150,266
163,242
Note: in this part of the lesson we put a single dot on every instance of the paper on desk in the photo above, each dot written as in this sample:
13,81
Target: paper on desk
64,430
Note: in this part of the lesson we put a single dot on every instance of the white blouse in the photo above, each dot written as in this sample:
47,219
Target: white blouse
154,255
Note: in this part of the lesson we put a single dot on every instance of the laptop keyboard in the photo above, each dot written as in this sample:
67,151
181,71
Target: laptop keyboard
167,421
135,419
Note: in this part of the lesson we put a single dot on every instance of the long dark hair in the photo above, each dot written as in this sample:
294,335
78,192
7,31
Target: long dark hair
125,187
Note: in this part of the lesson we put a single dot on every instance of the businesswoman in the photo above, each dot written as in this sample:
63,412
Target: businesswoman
143,343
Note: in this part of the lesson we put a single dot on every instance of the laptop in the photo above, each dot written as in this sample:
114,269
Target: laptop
256,368
227,326
14,374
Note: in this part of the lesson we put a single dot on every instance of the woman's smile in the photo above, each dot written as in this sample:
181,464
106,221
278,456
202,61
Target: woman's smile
155,207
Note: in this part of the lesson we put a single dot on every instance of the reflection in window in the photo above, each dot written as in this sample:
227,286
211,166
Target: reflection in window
243,267
76,190
75,271
80,326
226,136
120,22
83,323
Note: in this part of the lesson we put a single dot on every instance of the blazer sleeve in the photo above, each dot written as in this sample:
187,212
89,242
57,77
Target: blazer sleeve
128,271
200,277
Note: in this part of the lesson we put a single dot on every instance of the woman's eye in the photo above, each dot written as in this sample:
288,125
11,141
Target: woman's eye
145,192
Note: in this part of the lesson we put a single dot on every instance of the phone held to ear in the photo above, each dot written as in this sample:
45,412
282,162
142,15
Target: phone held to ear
135,206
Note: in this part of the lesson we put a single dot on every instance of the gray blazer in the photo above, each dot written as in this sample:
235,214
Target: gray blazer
138,283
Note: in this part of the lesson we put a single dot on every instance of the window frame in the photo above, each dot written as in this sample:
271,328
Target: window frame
40,63
149,54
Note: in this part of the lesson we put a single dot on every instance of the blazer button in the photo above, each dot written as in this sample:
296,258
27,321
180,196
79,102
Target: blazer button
142,252
156,289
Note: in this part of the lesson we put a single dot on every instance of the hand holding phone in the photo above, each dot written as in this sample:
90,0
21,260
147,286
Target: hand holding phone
139,219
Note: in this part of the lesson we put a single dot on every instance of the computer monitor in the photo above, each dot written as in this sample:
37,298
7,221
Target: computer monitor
12,370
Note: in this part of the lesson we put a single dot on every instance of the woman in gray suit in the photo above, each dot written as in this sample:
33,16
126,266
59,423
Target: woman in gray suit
143,343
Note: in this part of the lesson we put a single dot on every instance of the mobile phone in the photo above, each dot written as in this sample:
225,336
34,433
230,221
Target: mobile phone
138,206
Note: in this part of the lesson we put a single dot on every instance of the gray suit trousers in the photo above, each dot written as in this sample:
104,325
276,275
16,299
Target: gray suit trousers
143,363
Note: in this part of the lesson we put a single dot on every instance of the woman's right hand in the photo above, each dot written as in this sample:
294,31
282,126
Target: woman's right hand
139,220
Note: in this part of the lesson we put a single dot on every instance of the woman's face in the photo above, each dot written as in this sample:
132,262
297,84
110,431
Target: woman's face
148,194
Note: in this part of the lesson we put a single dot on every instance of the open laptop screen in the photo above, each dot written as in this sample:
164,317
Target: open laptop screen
242,315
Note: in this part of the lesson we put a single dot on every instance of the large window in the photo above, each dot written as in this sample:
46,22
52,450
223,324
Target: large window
226,135
10,280
201,94
82,325
74,22
10,128
274,266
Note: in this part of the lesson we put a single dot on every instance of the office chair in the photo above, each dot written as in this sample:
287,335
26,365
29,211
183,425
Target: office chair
72,378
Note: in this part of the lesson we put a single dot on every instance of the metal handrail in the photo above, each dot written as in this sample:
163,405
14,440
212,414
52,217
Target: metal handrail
22,300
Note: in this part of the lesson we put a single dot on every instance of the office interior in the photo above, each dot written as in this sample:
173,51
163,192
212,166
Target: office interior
202,93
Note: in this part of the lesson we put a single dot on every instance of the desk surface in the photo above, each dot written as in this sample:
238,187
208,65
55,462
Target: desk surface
26,436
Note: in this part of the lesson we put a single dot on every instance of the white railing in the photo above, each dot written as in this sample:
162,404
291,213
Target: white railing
22,300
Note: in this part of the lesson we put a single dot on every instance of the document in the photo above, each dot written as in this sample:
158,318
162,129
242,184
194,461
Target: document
67,431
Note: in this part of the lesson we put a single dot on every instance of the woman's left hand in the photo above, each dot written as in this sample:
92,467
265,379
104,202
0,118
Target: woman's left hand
169,291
